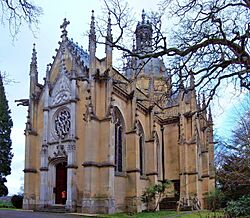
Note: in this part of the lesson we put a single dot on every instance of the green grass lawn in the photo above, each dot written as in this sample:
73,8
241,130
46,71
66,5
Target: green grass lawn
189,214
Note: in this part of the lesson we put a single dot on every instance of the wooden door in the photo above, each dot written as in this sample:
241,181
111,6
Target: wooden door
61,183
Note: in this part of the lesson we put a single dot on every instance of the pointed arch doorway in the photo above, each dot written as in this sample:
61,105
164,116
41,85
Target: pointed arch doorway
61,183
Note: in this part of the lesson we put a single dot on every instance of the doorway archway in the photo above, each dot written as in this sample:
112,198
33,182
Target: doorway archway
61,183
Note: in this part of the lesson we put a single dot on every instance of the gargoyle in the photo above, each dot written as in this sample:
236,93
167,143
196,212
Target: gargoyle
23,102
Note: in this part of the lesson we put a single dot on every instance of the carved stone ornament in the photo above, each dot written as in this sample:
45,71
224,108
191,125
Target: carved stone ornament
87,116
111,113
62,123
71,147
60,151
61,91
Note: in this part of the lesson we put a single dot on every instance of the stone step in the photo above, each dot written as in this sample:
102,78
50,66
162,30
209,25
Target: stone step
168,203
53,209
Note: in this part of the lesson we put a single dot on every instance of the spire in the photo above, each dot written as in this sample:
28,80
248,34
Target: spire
92,23
143,15
192,81
181,90
108,44
109,30
204,109
47,72
64,31
33,72
33,66
193,100
92,46
92,34
181,86
210,118
133,47
203,101
198,103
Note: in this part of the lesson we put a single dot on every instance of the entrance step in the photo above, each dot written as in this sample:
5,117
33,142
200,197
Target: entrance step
169,203
53,209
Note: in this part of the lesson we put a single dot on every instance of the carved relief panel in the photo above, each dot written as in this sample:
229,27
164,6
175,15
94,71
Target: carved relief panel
61,90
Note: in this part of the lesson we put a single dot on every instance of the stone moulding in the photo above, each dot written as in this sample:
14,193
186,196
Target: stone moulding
30,170
97,164
44,169
189,173
131,132
136,170
152,174
71,166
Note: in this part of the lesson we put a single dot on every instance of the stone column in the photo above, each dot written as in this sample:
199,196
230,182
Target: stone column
44,177
151,164
71,179
106,171
90,166
133,171
44,151
30,174
44,164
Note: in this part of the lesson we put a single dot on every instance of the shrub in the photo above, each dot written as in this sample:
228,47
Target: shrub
4,204
215,200
17,201
240,207
154,194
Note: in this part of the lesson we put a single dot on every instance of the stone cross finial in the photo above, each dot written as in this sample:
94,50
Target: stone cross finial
65,24
63,27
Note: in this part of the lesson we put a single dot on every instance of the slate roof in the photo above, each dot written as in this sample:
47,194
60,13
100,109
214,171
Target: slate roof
78,51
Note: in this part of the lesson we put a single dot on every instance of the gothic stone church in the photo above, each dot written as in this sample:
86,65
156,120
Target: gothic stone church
96,138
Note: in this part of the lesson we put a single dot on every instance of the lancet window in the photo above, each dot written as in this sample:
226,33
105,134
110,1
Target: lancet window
141,149
119,141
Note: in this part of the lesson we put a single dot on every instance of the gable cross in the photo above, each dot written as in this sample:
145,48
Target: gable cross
64,31
64,25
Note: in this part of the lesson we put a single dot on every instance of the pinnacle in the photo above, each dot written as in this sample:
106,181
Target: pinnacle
34,58
109,30
143,16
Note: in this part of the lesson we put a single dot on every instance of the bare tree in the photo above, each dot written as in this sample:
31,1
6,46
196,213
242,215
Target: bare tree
17,12
210,41
233,168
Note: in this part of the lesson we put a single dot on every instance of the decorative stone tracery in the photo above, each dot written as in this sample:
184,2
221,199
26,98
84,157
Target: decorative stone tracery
62,123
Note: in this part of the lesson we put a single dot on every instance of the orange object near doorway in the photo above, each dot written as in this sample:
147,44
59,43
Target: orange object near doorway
63,194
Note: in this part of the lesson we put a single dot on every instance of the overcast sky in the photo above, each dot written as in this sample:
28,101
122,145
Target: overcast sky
15,59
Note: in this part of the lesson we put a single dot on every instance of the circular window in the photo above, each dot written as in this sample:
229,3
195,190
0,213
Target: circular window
62,123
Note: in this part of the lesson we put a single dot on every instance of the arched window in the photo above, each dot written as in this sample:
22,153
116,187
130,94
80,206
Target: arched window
119,140
141,149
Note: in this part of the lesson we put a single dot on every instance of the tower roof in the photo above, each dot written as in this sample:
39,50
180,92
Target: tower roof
143,34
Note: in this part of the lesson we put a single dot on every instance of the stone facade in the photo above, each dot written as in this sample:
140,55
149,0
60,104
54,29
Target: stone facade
102,136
